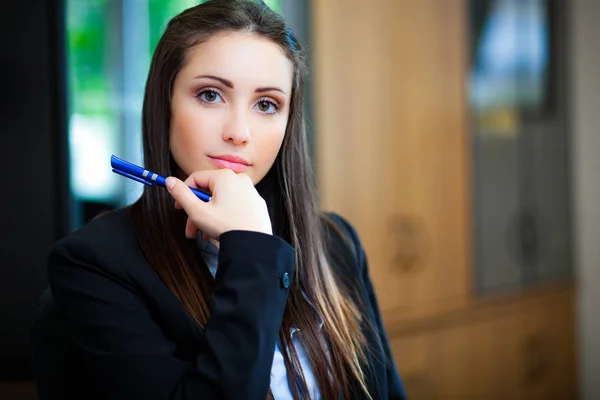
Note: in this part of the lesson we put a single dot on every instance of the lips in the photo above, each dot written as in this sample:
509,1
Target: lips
234,163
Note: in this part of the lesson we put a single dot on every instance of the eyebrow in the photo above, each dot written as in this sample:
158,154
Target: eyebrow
229,84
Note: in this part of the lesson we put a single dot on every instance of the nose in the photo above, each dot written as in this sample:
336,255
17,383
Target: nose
237,128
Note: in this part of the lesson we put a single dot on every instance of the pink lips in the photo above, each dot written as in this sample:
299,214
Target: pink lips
234,163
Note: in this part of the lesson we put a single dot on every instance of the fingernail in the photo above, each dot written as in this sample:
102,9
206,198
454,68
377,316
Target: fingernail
170,182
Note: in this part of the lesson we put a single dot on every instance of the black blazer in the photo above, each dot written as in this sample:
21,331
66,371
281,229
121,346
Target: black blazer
133,339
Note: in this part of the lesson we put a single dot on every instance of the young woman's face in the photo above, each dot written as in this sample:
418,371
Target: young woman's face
230,106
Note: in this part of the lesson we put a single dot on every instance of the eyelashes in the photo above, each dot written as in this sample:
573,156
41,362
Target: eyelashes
264,105
209,96
272,107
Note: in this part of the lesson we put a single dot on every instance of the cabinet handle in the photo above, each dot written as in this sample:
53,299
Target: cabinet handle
535,360
524,236
411,241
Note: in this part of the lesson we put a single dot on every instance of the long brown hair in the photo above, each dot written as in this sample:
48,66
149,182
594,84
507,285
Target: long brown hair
288,189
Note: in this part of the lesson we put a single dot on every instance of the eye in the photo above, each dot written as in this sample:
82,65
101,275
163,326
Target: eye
209,96
267,106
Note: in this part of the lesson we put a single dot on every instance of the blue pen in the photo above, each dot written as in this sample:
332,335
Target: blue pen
144,176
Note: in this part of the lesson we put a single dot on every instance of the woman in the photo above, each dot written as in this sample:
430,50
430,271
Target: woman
252,295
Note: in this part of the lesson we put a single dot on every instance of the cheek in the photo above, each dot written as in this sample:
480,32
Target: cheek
186,124
188,137
270,145
273,144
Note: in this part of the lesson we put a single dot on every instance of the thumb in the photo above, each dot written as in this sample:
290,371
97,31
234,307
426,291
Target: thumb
184,196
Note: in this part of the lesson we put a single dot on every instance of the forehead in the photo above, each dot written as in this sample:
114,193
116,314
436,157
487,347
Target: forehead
243,58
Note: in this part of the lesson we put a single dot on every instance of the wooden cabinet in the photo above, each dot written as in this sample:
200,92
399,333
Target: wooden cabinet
393,150
415,357
549,370
520,349
390,135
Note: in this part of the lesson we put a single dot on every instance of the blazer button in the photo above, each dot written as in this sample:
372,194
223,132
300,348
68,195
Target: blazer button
285,280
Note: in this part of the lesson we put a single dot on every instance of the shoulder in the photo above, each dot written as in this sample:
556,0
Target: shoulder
343,243
100,242
103,233
339,229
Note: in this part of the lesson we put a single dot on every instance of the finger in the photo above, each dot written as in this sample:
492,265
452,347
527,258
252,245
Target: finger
191,231
185,197
206,179
177,206
200,179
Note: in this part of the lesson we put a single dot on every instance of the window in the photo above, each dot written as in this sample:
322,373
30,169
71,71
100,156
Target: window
109,45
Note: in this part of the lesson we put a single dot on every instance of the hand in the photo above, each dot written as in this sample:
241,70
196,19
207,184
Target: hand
235,204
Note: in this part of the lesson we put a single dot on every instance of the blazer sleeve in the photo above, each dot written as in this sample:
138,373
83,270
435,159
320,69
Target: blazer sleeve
124,348
395,388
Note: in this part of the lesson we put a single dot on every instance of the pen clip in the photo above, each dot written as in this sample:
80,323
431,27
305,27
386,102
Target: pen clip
135,178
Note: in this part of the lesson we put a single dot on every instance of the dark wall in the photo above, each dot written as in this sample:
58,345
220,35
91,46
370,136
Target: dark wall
33,165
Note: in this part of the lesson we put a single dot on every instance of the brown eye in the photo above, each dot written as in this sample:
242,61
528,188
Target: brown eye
209,96
264,106
267,106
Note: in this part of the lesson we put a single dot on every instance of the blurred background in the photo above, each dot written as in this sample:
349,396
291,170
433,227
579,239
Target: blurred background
468,126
